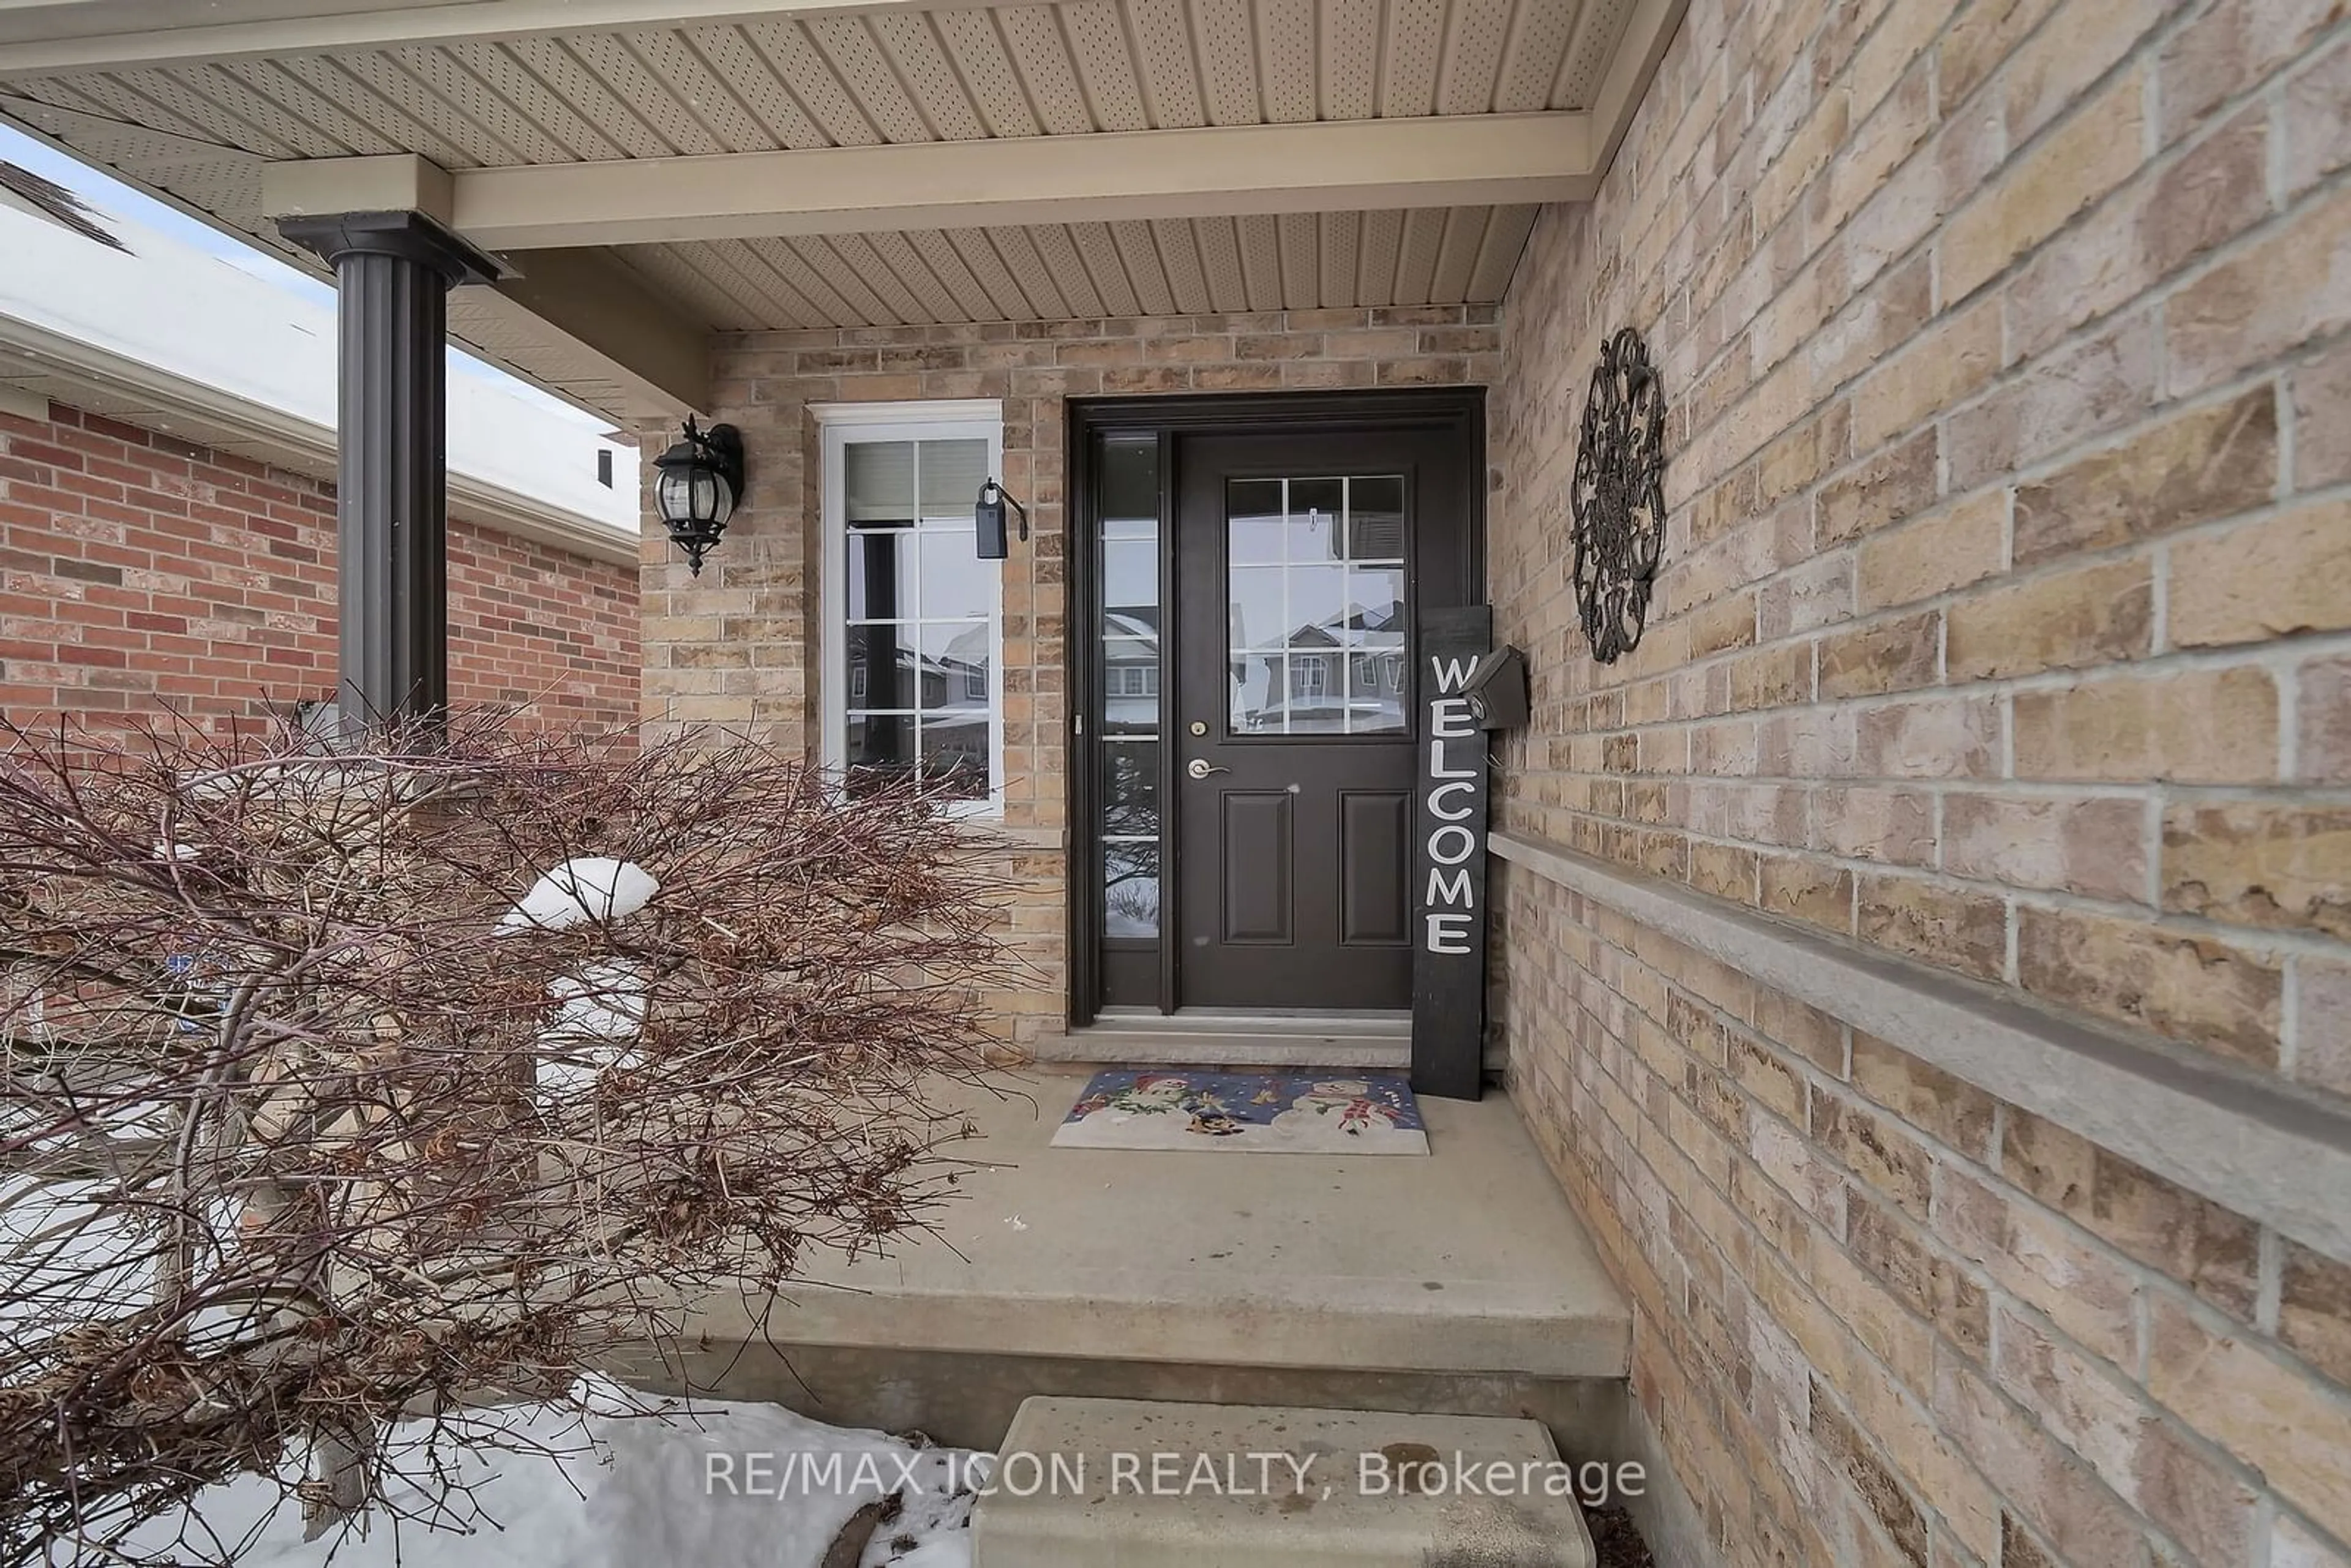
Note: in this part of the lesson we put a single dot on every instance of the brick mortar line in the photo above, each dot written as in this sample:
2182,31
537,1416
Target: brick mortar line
2285,498
2147,51
1988,295
2145,1277
2133,1075
2148,1278
2154,918
2275,654
1627,1211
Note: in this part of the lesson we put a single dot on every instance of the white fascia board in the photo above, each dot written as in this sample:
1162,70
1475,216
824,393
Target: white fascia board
166,323
41,37
34,406
1470,159
295,443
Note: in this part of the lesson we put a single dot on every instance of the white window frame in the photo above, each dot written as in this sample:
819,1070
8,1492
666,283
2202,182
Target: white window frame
840,426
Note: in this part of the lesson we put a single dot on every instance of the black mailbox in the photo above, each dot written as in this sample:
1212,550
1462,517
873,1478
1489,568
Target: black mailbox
1497,690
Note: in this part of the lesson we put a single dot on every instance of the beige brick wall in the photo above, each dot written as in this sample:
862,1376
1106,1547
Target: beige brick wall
2008,579
735,646
1880,1317
2006,625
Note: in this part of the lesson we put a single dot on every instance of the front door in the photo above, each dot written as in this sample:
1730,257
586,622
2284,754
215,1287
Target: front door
1301,561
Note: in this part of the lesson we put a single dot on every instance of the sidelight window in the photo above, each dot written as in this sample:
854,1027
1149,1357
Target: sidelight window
913,634
1128,724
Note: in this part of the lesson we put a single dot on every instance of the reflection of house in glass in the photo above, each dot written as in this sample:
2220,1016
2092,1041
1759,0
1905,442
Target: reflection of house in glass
1131,671
1315,616
950,688
1130,707
1343,675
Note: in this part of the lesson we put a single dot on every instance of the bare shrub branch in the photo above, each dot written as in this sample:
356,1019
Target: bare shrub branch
346,1088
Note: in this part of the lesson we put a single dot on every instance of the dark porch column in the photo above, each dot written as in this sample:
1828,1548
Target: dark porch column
392,274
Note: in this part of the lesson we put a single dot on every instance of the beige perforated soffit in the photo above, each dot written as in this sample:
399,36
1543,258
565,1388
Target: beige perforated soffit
192,109
795,73
787,80
71,35
583,327
1043,272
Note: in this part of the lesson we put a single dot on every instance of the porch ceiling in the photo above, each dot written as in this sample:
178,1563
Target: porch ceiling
705,135
1303,261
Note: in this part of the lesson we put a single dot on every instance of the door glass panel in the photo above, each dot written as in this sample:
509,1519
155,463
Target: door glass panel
1129,574
1130,889
1318,604
1128,698
1316,507
1375,604
1375,518
1254,519
1316,645
1131,789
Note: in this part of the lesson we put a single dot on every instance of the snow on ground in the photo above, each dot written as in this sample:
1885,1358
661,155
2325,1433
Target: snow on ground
717,1485
62,1253
607,1479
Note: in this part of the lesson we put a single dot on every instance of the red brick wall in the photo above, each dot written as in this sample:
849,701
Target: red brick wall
138,573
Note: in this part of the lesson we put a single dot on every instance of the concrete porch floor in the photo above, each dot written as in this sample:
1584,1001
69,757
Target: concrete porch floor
1251,1274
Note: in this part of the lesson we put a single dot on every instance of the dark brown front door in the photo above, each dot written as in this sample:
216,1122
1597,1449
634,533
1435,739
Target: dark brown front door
1300,562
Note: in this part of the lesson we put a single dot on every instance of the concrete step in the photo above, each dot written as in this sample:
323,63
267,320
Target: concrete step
1228,1042
1470,1260
1461,1283
1366,1022
1116,1483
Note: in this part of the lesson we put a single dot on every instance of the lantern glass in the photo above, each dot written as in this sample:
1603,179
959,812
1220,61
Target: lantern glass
692,493
673,494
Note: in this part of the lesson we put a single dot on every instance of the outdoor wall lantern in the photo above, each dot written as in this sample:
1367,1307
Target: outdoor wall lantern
697,481
987,516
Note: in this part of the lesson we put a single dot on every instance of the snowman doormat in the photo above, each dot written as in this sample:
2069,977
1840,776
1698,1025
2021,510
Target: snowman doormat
1246,1113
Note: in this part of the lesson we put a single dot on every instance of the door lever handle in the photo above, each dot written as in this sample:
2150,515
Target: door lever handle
1200,768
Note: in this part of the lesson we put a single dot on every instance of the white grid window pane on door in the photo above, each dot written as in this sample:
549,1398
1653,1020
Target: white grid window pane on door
1315,596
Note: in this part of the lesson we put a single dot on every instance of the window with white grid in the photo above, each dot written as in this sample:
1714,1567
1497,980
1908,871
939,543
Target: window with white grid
913,621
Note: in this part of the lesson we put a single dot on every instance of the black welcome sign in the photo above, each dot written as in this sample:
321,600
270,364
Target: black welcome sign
1448,961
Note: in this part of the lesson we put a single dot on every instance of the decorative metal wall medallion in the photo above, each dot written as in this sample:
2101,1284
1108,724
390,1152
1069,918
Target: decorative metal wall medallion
1619,496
